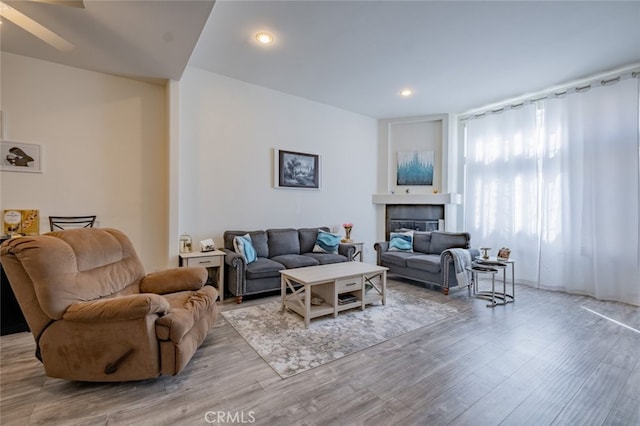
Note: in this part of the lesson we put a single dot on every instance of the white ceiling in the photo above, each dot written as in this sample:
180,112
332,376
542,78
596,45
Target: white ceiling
355,55
145,39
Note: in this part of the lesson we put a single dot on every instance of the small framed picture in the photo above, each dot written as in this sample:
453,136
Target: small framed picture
504,253
296,170
20,157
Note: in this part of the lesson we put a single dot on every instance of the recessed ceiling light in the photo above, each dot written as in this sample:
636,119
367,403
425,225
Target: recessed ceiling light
264,38
406,92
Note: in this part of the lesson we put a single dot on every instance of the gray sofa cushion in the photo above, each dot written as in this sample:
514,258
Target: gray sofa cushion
425,262
396,257
324,258
295,260
283,241
258,240
228,238
263,268
308,238
422,241
440,241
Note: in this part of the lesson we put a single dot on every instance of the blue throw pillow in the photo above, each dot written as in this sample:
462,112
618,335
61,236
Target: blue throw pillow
327,242
244,247
401,241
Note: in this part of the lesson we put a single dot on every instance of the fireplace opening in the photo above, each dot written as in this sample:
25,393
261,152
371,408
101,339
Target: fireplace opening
418,217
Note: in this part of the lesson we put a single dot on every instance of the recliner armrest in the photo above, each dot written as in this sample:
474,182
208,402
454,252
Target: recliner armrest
117,308
179,321
174,280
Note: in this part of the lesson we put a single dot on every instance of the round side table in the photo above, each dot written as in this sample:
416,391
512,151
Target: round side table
500,263
491,296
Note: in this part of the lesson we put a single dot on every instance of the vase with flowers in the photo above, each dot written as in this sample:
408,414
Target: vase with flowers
347,232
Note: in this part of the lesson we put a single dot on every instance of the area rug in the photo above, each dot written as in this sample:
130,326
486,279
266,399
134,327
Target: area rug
282,340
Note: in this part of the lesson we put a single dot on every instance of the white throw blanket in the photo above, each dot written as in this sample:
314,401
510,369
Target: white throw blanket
461,259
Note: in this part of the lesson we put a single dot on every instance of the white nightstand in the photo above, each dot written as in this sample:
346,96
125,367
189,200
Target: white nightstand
208,259
359,250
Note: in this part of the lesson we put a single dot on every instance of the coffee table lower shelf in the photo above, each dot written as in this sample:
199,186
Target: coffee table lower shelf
328,282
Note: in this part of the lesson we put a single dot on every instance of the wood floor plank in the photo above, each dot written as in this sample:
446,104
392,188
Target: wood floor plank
625,411
545,400
595,400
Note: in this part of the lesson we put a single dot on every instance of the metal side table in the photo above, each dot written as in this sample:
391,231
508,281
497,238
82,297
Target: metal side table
494,297
502,264
486,295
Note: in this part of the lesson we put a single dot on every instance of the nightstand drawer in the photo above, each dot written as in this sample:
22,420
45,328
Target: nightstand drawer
206,261
348,284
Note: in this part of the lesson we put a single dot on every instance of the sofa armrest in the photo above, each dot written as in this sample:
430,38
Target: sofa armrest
447,268
380,247
474,252
347,250
174,280
233,259
117,308
236,271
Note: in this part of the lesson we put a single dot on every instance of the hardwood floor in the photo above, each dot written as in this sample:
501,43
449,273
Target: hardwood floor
544,359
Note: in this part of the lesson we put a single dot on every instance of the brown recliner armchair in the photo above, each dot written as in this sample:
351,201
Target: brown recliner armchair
94,313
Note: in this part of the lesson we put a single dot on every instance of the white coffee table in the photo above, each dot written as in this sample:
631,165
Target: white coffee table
366,282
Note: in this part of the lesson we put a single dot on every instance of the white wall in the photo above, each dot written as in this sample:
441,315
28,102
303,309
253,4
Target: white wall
104,142
420,133
228,130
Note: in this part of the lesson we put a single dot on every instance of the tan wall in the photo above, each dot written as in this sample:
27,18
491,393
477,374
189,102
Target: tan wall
104,149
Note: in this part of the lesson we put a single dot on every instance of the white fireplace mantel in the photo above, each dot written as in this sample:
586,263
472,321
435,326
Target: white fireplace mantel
430,199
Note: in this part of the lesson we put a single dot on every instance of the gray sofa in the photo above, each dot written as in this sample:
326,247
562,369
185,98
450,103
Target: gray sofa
431,261
276,249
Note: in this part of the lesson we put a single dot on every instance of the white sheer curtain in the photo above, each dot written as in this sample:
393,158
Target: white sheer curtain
559,183
501,194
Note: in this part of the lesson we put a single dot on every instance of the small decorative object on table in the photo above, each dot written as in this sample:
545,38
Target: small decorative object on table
485,252
347,231
185,243
207,245
504,253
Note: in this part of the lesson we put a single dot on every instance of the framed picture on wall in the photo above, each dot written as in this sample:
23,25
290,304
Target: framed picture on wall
415,168
20,157
296,170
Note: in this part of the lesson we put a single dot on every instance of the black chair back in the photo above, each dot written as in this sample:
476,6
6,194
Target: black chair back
59,223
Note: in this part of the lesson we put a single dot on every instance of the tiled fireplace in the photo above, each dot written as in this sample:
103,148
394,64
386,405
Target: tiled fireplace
421,212
413,216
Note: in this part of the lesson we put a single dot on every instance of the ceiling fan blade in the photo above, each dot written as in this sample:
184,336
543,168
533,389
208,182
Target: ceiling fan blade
70,3
34,28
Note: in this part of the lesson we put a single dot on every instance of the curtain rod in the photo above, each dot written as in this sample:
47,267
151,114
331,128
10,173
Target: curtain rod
556,92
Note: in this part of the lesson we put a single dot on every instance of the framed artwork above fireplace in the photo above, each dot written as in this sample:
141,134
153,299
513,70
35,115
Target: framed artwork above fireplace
414,168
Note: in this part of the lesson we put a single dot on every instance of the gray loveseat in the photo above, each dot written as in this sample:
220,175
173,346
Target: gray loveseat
430,260
276,249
